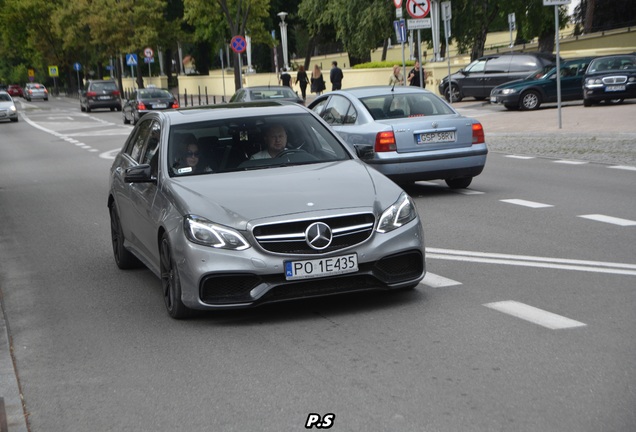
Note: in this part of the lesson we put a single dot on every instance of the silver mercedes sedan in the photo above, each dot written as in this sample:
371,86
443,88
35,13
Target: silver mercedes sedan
237,205
407,133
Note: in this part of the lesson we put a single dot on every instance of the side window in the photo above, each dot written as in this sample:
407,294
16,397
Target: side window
476,66
336,111
136,144
523,63
319,106
498,64
150,154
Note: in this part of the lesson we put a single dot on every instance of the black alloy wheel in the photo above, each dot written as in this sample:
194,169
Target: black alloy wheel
170,282
123,257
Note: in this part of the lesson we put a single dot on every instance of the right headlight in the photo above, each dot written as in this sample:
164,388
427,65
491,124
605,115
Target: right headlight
204,232
401,212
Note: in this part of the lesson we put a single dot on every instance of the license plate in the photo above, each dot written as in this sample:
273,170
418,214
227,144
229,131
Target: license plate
160,106
615,88
104,97
436,137
493,99
321,267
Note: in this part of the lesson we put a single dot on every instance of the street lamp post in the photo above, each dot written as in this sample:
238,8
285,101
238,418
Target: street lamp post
283,37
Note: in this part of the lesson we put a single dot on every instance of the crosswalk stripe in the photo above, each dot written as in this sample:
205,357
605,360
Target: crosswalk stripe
534,315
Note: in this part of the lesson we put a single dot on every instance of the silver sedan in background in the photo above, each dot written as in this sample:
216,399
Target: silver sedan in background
237,205
407,133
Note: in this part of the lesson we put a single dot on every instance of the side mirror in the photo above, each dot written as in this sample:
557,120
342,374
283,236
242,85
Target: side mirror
139,174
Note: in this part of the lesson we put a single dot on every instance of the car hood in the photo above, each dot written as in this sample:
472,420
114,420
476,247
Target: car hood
238,198
6,104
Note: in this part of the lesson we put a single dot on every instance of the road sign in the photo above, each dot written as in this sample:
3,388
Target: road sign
397,3
149,59
400,30
148,53
131,59
556,2
53,71
238,44
77,66
418,8
418,24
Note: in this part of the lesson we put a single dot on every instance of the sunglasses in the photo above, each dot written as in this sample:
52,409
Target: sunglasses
192,154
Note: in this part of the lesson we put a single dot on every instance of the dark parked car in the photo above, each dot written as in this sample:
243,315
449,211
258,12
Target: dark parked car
15,90
611,79
482,75
223,229
145,100
407,133
538,88
100,94
250,94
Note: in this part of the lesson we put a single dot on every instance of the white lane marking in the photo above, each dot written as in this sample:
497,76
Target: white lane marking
426,183
525,203
109,154
532,261
570,162
534,315
609,219
623,167
519,157
437,281
468,192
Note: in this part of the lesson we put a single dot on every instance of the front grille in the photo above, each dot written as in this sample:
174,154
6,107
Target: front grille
322,287
615,80
289,237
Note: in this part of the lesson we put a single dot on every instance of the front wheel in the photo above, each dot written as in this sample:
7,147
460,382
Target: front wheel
587,103
123,257
530,100
459,183
171,283
454,91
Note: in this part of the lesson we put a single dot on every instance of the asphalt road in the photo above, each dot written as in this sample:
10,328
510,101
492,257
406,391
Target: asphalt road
524,322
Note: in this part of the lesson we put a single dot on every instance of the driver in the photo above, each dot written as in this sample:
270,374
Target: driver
276,140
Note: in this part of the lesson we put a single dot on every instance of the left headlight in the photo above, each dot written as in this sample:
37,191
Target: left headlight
508,91
204,232
400,213
12,108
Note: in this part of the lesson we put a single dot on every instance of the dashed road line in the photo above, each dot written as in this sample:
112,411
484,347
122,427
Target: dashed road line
436,281
571,162
623,167
534,315
609,219
520,157
525,203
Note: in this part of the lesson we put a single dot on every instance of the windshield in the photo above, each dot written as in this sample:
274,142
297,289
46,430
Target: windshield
249,143
272,93
391,106
612,64
155,94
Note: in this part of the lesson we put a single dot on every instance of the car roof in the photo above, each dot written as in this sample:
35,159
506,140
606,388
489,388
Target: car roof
229,111
360,92
265,87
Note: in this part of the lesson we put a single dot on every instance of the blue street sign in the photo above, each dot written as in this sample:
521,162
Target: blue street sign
77,66
109,68
149,59
400,30
131,59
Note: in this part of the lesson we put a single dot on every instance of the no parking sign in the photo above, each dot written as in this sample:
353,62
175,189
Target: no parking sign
238,44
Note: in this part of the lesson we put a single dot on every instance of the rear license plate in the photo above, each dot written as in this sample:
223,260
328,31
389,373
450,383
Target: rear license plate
104,97
615,88
158,106
436,137
321,267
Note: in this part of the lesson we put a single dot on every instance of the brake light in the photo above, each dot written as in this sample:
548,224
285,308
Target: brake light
175,104
141,106
91,94
478,134
384,142
115,92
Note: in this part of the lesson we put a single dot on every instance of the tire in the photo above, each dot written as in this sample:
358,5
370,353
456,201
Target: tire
530,100
587,103
112,109
457,97
82,109
123,257
170,282
88,109
459,183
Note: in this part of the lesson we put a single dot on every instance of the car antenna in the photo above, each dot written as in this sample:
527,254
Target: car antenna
392,88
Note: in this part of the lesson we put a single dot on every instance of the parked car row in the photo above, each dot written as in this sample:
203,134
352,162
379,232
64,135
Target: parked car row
29,92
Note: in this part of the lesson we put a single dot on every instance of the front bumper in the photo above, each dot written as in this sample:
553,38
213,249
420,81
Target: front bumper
221,279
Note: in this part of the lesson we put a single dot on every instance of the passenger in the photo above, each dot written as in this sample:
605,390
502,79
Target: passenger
276,140
191,162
